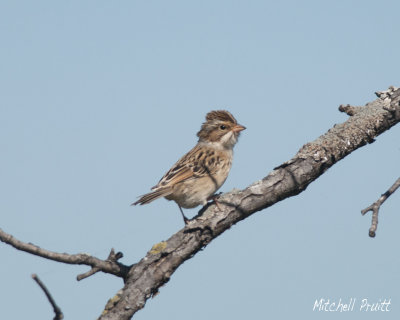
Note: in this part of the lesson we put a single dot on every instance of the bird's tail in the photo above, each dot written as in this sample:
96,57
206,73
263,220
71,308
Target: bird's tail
151,196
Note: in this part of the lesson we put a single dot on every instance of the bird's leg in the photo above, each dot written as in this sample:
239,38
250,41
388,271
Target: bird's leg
186,220
214,198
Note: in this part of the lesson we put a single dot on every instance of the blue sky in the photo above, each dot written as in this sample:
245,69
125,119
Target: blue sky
99,98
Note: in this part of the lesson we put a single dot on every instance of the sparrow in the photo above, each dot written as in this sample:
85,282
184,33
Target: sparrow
194,178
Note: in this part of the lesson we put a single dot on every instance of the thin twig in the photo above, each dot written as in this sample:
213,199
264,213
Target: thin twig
376,206
57,311
108,266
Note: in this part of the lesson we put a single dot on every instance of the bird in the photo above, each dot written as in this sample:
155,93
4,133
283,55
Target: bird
194,178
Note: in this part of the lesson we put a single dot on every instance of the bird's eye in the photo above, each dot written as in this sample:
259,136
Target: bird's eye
222,127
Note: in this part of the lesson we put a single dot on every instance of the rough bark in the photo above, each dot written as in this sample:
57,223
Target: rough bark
312,160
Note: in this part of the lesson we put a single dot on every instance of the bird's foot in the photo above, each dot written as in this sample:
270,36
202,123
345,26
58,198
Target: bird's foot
185,220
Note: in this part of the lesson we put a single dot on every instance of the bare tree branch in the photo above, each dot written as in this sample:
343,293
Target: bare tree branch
292,177
376,206
108,266
143,280
57,311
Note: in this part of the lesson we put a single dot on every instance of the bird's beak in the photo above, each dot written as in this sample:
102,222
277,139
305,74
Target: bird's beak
238,128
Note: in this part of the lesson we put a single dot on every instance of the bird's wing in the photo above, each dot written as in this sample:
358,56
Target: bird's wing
196,163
